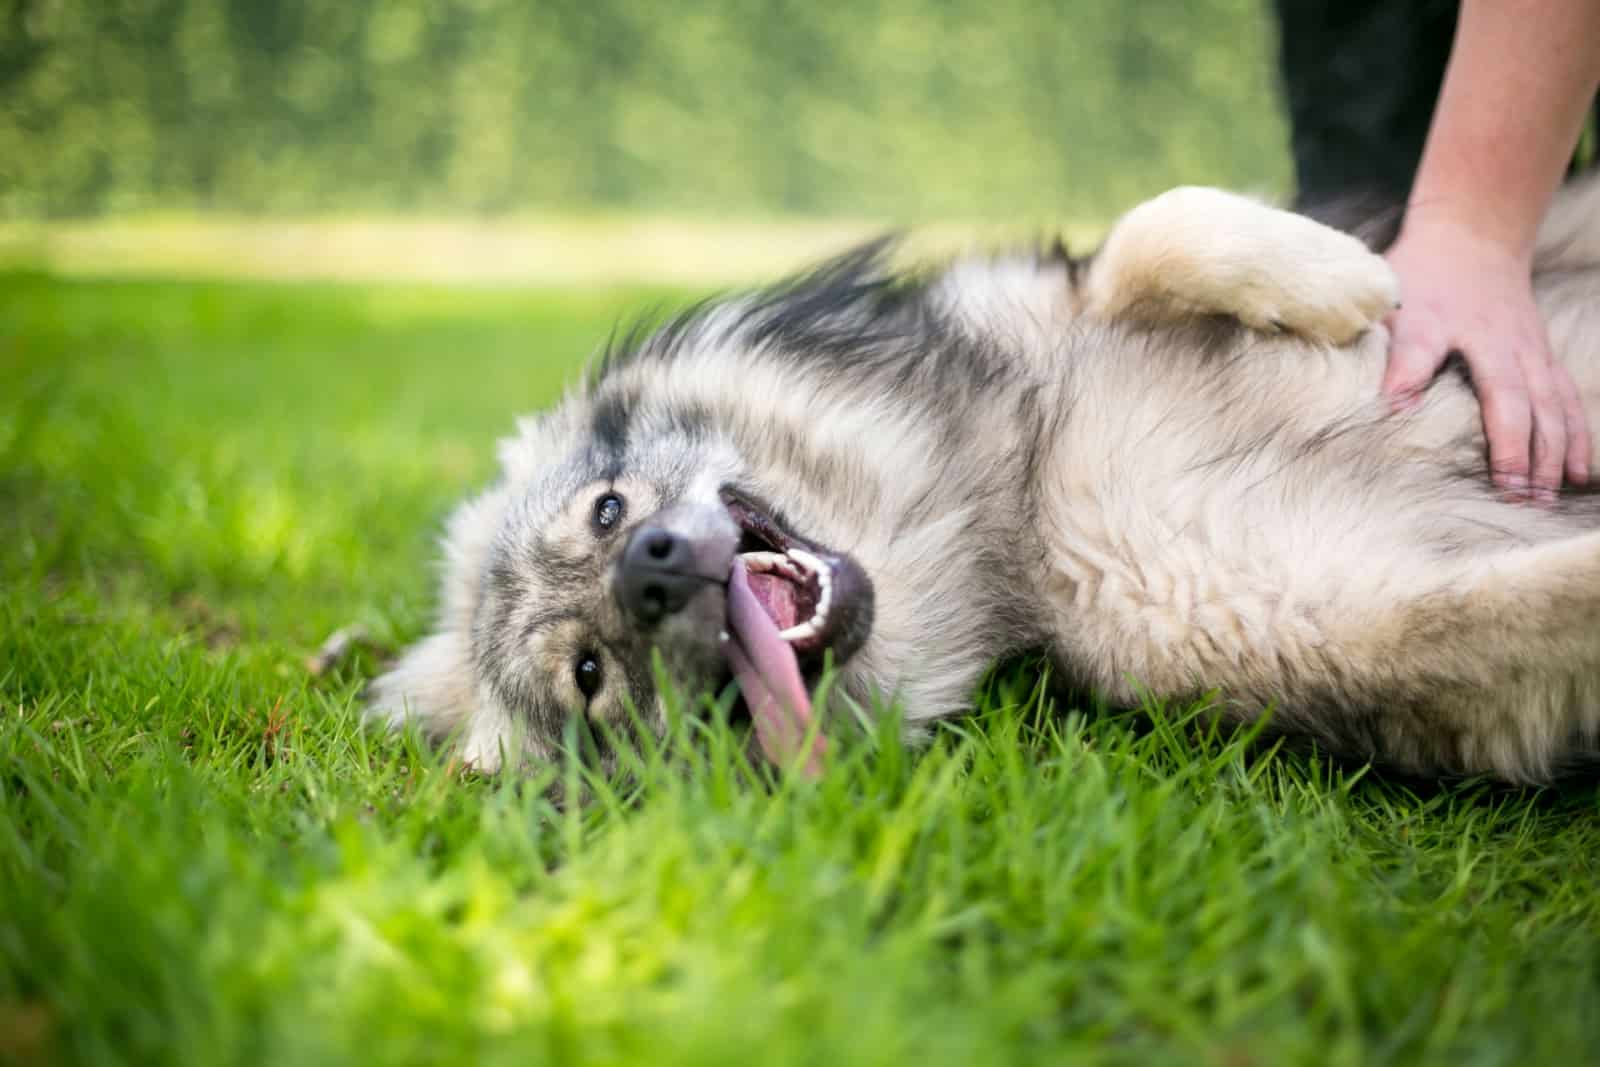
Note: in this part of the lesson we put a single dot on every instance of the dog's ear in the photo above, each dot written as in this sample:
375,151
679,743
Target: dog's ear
432,685
541,440
435,683
469,534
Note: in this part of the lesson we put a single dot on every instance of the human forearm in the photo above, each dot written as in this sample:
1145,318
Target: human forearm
1520,79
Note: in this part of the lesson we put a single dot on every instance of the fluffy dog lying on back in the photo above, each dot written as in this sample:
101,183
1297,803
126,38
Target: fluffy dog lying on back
1166,464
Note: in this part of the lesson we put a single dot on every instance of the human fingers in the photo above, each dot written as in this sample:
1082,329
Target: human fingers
1548,431
1579,442
1507,416
1416,353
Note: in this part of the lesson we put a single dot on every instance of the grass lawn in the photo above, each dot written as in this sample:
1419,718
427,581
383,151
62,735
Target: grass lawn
204,859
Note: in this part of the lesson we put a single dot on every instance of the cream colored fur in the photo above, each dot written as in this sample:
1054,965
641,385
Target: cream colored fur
1168,504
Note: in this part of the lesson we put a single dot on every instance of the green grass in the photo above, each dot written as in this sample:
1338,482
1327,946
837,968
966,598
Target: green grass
204,859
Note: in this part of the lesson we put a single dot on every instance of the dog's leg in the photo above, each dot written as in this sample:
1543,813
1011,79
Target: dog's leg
1492,665
1459,662
1203,251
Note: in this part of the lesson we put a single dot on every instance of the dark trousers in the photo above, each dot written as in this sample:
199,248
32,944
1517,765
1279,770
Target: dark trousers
1360,78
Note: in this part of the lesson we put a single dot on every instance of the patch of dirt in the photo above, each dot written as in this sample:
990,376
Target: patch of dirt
217,628
26,1032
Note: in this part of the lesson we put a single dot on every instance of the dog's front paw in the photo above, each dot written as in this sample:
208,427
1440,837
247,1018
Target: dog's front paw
1204,250
1312,280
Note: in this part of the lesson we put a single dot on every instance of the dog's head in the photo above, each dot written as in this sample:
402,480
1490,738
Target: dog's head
830,470
612,538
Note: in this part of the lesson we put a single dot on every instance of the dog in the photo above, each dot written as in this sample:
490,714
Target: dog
1166,465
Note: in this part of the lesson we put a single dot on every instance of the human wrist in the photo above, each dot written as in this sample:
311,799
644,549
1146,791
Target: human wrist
1478,236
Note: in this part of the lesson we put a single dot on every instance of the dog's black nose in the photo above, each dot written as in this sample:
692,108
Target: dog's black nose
657,575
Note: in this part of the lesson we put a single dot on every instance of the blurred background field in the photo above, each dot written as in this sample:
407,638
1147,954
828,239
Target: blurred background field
438,139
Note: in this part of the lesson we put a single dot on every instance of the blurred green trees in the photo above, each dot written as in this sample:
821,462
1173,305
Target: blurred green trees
904,108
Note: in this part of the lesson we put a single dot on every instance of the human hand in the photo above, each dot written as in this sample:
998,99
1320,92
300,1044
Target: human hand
1460,292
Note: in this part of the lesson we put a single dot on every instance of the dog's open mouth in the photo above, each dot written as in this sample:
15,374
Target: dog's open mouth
789,603
795,588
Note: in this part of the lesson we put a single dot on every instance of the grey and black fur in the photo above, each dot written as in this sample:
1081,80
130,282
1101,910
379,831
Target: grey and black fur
1167,465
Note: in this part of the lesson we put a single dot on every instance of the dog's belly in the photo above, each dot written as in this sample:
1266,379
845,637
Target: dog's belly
1262,526
1221,523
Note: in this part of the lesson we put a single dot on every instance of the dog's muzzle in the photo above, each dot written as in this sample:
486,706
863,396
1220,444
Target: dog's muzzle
657,574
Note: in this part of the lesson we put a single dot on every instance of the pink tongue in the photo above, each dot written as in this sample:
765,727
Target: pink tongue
769,676
776,595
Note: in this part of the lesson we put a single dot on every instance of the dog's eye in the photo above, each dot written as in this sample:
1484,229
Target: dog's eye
586,673
607,512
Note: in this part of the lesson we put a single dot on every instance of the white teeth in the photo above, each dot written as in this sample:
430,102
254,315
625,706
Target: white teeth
824,575
806,559
803,631
797,564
